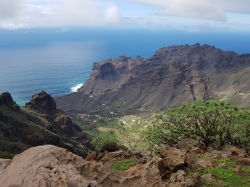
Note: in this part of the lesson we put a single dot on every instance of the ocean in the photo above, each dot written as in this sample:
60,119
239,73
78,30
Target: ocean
59,61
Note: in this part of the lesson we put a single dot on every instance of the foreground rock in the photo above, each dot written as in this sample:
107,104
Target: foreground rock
49,165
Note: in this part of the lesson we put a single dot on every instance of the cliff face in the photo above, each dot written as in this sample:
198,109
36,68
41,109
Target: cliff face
171,77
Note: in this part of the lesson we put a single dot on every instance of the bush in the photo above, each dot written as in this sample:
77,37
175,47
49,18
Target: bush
207,121
6,155
105,139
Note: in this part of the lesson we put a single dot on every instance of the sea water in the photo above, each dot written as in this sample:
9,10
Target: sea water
32,60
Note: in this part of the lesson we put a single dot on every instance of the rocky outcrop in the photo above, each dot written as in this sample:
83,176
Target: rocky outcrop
43,102
172,76
38,123
6,98
52,166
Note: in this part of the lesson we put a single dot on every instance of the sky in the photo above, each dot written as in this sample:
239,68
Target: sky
187,15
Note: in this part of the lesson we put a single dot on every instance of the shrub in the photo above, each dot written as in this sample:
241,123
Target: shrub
105,139
207,121
6,155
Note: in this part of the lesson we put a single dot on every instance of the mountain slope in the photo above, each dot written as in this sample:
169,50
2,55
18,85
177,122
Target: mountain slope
38,123
172,76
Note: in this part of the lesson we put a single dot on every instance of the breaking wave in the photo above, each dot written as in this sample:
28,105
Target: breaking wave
75,88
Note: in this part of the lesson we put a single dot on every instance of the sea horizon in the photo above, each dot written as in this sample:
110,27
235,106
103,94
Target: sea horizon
60,62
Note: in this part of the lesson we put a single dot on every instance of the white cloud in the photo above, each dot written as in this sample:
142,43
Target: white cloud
10,8
190,15
112,14
214,10
78,12
49,13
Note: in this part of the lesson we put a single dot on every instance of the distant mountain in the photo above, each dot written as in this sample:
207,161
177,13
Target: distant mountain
38,123
171,77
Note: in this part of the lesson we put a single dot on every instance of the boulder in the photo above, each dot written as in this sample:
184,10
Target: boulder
205,163
51,166
197,150
245,161
187,144
191,159
207,177
109,157
180,179
173,158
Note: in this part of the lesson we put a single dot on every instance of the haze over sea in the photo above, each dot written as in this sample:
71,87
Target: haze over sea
58,61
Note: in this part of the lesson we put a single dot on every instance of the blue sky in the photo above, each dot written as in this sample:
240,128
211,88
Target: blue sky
187,15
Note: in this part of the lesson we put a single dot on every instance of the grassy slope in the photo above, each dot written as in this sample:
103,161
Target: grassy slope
22,129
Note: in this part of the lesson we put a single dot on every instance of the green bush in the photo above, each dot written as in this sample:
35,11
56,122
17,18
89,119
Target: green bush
104,139
6,155
123,165
207,121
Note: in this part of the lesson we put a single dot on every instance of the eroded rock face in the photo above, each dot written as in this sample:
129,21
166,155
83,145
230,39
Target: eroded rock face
48,165
43,101
64,122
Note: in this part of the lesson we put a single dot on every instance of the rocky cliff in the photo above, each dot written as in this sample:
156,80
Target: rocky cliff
38,123
172,76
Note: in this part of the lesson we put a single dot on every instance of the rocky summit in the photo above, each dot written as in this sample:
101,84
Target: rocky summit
171,77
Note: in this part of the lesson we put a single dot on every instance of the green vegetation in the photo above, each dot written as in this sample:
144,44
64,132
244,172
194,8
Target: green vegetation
207,121
25,128
206,183
129,129
102,139
123,165
228,175
225,177
6,155
227,161
246,170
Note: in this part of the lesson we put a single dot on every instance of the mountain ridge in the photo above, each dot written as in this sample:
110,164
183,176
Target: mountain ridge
171,77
